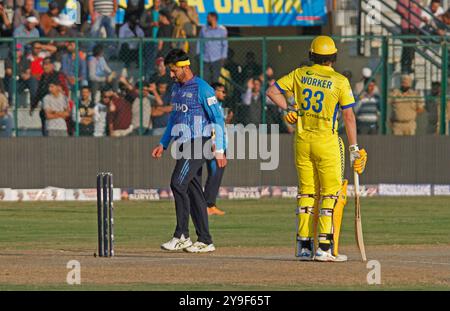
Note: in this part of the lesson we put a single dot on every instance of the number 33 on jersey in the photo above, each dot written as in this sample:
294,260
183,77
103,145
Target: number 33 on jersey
319,92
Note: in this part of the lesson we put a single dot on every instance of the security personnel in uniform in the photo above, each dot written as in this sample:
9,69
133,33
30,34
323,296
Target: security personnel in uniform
405,107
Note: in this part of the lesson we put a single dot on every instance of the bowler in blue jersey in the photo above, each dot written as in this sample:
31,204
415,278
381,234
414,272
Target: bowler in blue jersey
196,115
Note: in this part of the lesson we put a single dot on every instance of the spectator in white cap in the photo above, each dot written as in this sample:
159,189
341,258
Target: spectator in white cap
23,12
27,30
64,29
363,83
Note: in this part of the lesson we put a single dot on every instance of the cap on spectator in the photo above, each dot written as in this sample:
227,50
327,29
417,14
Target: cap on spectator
366,72
64,20
32,20
19,46
159,60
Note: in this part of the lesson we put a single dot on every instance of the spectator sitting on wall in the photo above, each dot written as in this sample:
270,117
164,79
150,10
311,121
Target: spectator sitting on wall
165,31
185,19
27,30
103,14
99,71
56,108
23,12
161,107
215,52
86,112
410,23
49,75
368,110
405,107
48,19
6,120
5,23
436,10
68,62
129,50
252,99
366,75
101,111
119,116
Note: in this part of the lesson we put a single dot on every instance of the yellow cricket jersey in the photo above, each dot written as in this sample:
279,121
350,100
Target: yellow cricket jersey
320,92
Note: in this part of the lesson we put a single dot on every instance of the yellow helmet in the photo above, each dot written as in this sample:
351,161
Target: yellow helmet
323,45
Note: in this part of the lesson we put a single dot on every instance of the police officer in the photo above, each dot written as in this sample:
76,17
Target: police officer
405,107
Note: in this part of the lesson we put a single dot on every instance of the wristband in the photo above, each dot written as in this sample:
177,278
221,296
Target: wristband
353,148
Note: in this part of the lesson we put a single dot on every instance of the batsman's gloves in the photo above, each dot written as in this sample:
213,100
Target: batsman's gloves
358,158
292,115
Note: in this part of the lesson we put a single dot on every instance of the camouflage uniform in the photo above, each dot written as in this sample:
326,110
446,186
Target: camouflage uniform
405,107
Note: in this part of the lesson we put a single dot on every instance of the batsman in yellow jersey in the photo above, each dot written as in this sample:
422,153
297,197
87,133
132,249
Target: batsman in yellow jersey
320,92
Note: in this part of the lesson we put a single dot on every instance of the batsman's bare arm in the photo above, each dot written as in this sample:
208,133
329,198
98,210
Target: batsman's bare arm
350,125
277,97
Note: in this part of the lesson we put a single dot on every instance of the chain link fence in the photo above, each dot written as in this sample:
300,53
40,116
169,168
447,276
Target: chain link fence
114,87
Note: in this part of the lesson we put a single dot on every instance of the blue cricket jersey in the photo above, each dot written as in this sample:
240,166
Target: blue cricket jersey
195,107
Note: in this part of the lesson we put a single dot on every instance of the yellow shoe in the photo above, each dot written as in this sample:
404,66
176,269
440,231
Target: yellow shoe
213,210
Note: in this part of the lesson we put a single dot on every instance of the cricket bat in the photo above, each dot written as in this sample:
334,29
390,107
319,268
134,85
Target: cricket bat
358,224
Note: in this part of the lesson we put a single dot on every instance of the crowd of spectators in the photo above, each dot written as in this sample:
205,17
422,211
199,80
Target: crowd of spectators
51,68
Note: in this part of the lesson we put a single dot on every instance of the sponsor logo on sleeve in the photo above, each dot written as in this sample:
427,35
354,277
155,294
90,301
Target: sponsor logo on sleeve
212,100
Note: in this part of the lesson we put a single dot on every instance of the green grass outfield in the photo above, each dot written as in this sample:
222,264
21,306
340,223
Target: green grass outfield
266,222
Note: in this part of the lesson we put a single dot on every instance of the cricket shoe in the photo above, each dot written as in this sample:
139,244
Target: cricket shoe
213,210
326,256
176,244
200,247
305,255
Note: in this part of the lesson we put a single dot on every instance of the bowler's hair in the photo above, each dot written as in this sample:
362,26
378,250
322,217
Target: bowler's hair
174,56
